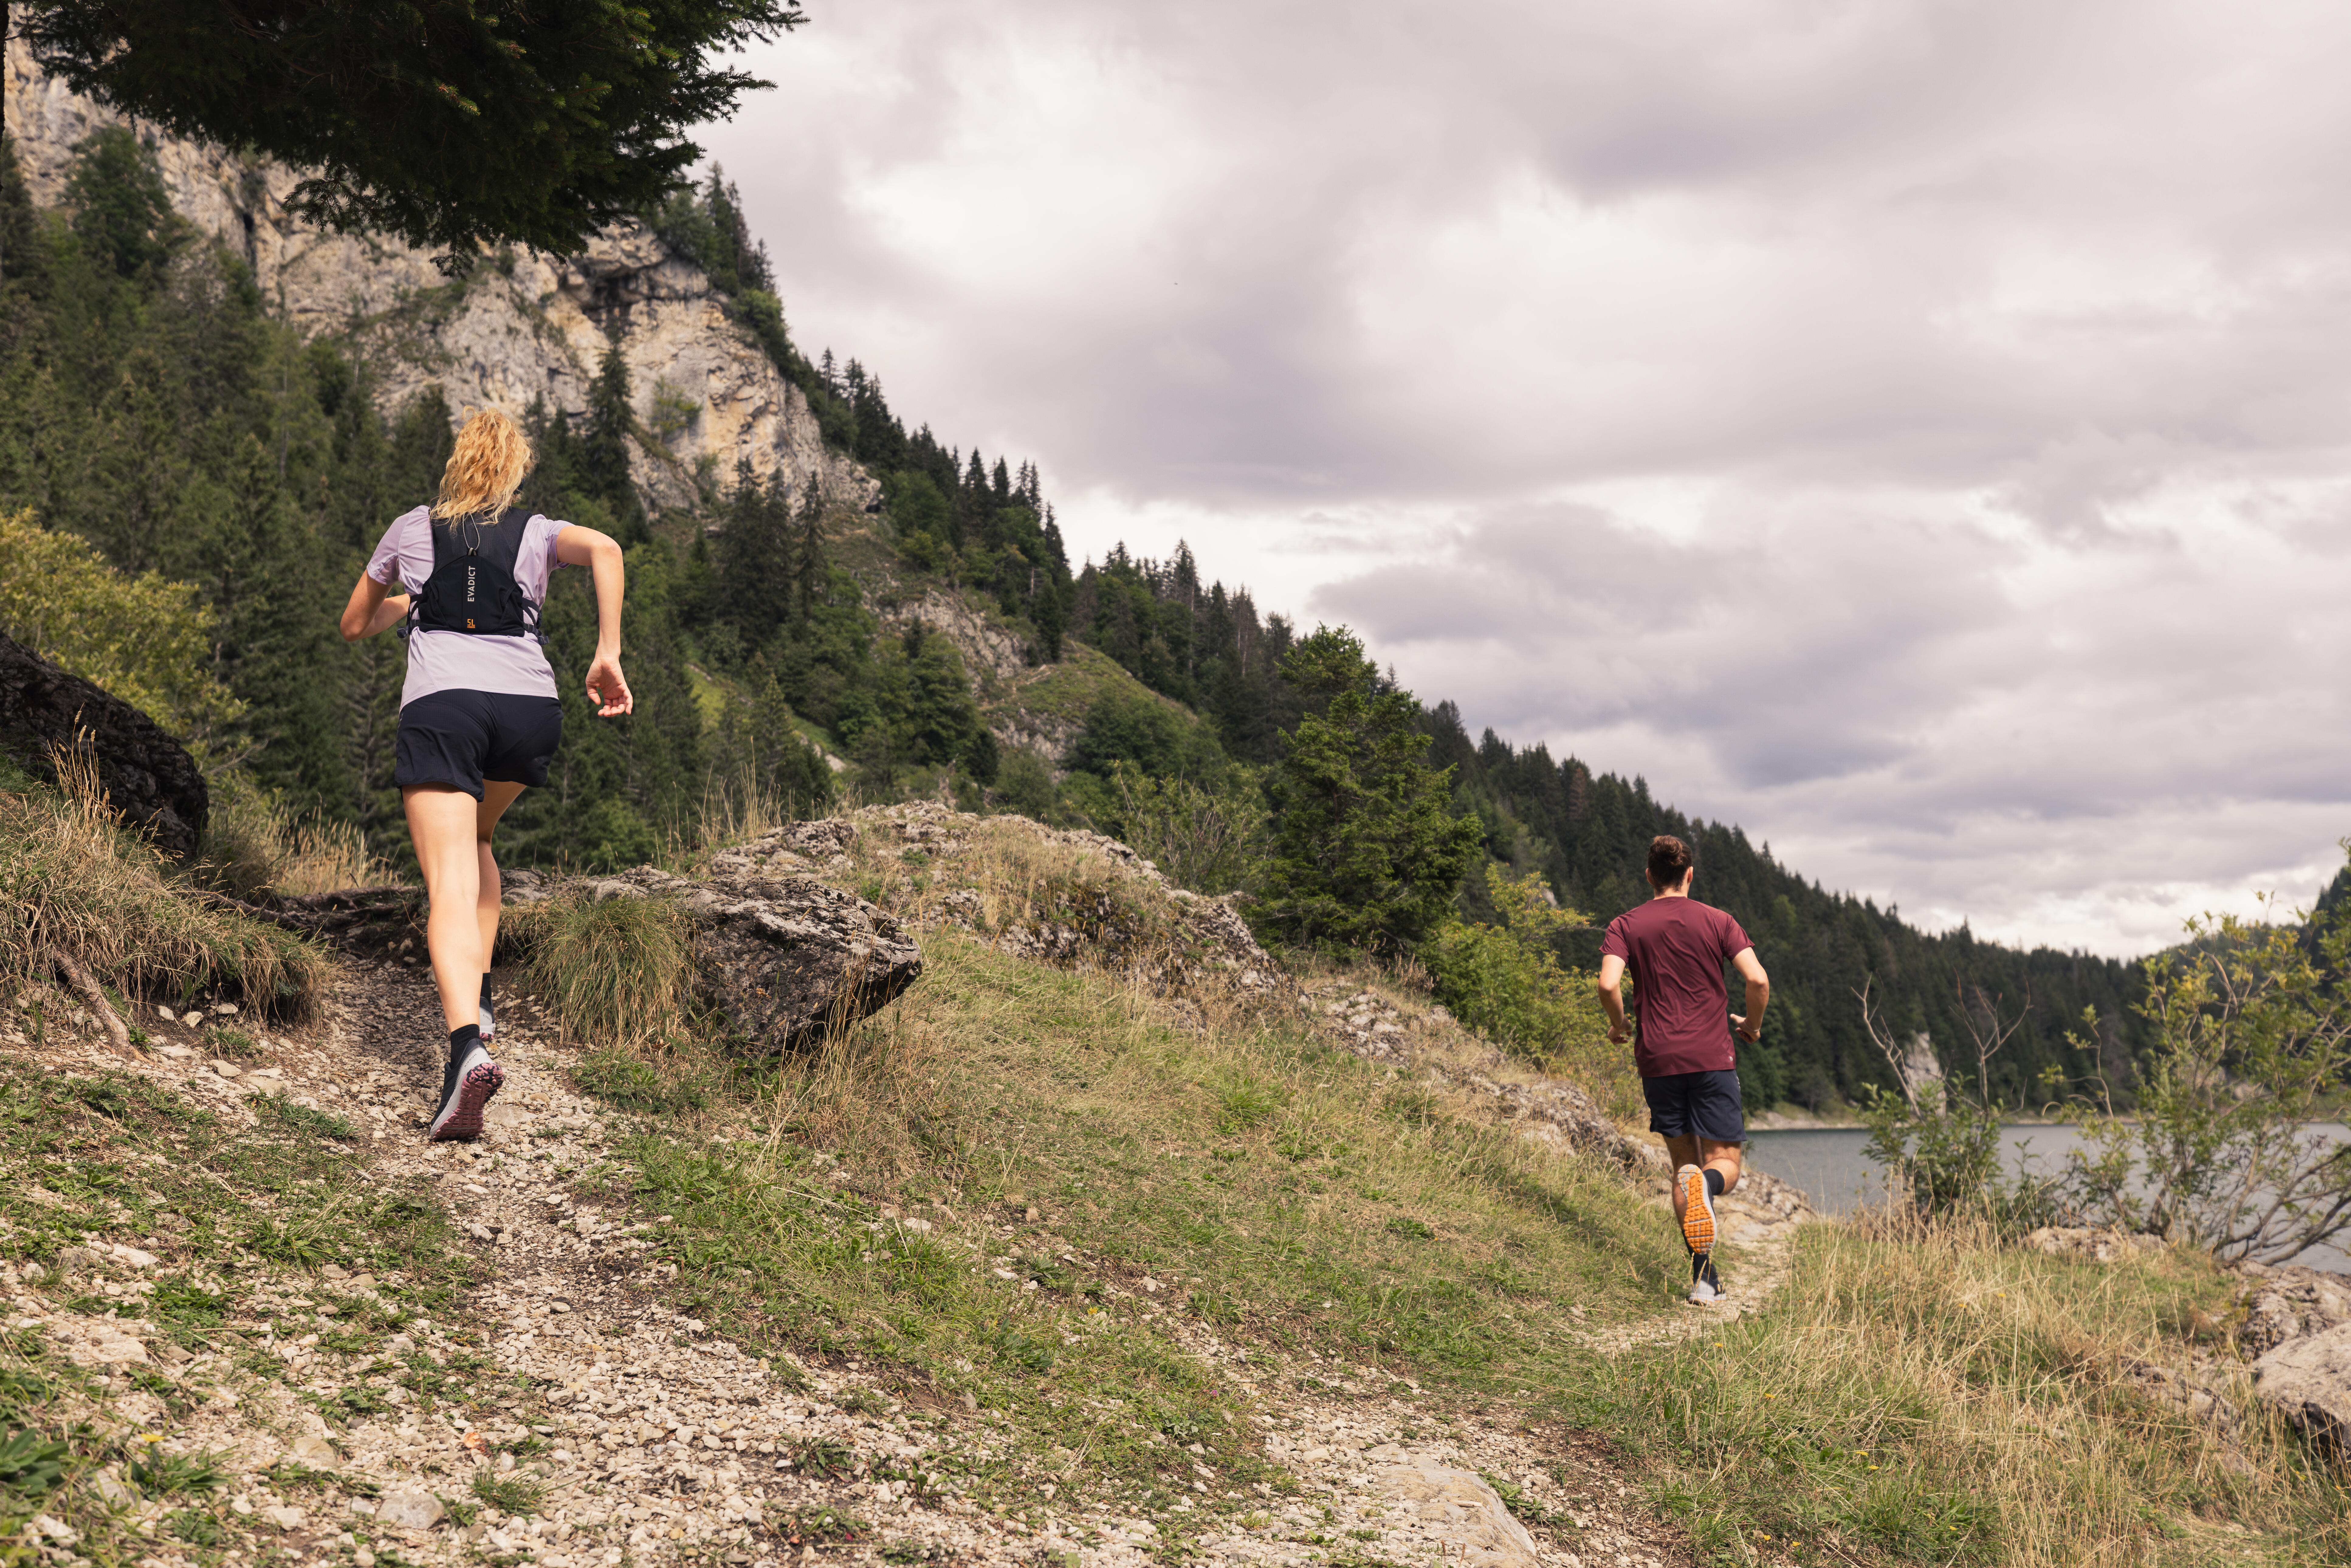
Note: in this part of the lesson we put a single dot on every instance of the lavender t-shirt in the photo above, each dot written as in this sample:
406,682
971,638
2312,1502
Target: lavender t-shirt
466,661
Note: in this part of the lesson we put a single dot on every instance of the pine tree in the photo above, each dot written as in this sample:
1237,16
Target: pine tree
604,451
1367,850
808,565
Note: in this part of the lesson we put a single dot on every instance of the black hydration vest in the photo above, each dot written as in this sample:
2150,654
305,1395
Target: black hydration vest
473,588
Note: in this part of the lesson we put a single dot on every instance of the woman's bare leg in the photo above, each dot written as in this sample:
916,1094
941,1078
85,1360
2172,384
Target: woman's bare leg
496,796
441,820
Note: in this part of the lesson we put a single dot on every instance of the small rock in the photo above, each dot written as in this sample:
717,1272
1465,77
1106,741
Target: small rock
285,1516
120,1495
166,1014
225,1009
192,1019
178,1052
334,1271
315,1450
410,1508
228,1069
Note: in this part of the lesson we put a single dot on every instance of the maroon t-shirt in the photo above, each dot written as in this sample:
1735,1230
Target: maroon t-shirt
1675,949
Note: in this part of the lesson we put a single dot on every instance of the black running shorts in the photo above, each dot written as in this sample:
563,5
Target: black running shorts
1702,1103
461,738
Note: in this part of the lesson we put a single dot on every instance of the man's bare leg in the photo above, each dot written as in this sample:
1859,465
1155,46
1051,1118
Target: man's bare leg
1707,1154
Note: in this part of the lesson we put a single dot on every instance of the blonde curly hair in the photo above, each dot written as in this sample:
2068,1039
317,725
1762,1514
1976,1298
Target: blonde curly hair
492,457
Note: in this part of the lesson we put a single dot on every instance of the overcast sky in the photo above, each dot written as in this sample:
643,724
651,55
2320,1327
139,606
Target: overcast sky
1916,432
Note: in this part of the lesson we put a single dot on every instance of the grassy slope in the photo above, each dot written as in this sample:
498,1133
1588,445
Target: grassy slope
1929,1398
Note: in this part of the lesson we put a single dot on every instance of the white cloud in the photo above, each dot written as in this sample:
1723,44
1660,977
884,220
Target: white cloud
1971,368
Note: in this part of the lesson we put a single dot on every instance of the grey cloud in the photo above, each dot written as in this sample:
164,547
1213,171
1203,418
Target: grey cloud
2005,336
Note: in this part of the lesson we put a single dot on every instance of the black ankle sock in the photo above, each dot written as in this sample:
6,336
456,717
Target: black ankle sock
486,987
1713,1182
461,1041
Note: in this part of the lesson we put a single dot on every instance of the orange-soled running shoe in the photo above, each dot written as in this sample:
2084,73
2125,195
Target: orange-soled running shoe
1695,1208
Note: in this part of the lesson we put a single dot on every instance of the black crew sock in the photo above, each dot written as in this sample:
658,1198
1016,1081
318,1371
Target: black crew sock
1713,1182
461,1041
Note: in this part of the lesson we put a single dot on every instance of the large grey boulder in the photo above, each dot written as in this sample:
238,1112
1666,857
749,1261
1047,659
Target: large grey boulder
2308,1381
148,776
785,956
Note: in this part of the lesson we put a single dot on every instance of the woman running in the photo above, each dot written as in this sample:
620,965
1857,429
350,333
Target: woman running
479,718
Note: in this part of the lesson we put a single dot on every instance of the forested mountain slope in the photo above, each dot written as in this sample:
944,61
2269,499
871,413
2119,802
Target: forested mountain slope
203,388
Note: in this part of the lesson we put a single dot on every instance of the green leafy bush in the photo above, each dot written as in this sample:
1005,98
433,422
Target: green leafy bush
1206,839
2252,1044
1506,981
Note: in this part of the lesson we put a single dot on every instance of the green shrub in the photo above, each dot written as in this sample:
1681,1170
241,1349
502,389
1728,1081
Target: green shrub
1205,839
1506,982
2253,1044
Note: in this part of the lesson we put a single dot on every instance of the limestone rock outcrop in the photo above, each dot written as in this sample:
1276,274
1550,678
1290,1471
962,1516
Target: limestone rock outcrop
520,326
148,776
1454,1507
2290,1302
2093,1245
785,956
2308,1381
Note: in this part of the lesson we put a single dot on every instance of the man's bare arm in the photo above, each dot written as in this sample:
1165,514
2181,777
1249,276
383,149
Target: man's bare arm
1611,997
1759,994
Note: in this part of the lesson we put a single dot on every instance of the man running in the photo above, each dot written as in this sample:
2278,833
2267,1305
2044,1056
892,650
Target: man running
1674,947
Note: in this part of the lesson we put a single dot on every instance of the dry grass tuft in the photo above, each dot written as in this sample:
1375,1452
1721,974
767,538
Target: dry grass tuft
256,845
77,883
616,971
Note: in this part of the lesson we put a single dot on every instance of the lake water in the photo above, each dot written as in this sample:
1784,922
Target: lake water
1829,1165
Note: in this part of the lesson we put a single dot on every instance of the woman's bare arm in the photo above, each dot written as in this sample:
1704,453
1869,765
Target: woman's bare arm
372,608
576,545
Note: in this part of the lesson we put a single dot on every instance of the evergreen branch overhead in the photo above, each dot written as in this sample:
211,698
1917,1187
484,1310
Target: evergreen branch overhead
449,123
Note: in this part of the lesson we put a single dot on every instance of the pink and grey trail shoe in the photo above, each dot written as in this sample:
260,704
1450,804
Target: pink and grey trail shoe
465,1092
1694,1207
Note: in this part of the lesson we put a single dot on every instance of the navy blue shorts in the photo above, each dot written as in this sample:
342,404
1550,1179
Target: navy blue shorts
1704,1104
460,738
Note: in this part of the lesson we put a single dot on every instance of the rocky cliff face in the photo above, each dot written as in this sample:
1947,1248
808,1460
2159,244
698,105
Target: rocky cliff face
524,326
